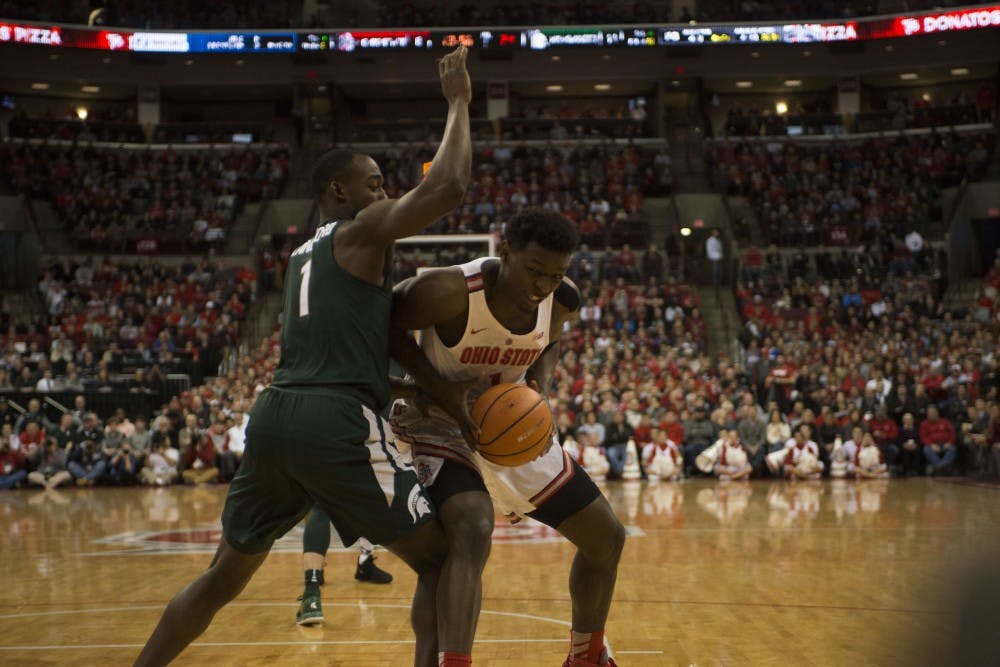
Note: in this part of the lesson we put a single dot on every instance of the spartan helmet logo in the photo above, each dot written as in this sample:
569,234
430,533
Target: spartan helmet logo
418,504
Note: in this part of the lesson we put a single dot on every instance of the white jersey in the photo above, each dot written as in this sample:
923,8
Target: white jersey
487,350
493,354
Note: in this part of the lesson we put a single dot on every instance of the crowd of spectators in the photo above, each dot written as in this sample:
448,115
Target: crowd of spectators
122,200
529,120
543,121
196,437
826,378
921,385
117,124
600,187
111,123
896,110
846,192
119,327
860,338
807,116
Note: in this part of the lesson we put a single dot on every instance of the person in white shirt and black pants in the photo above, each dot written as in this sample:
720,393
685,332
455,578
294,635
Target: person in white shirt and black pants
713,249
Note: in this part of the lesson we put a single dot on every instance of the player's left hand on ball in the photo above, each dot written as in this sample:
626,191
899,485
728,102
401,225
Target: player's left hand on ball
534,385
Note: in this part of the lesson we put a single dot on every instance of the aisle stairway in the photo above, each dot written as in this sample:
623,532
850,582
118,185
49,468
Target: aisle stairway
718,309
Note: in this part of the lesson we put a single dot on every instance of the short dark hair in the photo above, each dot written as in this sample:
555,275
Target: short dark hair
548,229
331,165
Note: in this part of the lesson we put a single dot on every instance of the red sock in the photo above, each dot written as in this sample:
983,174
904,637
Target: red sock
588,646
446,659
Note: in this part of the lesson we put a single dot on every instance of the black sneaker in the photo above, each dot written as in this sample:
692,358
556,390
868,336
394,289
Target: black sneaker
310,610
368,571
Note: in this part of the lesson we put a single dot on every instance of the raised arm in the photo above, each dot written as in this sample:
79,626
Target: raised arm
444,185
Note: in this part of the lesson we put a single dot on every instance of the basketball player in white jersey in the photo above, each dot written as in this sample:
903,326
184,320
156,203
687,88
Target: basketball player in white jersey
489,321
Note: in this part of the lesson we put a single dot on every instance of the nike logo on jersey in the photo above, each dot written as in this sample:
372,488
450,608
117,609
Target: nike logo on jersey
475,331
312,605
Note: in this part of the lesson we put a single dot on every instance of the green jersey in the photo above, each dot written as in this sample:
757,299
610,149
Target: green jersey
336,326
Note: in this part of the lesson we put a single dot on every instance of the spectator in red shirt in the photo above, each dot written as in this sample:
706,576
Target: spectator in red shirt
13,468
199,463
885,433
781,381
753,263
31,438
938,438
672,427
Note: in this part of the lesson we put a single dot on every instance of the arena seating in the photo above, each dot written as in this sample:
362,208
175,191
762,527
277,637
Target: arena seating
144,200
600,186
123,328
842,192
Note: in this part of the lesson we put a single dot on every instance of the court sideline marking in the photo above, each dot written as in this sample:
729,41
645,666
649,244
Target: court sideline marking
511,614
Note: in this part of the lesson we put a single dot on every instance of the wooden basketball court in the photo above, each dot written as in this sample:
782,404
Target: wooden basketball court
713,574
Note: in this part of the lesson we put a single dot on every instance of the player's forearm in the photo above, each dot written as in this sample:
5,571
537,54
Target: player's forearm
404,349
452,164
541,371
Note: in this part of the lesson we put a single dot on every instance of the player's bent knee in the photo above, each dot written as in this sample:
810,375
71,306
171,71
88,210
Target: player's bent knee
471,535
606,549
424,550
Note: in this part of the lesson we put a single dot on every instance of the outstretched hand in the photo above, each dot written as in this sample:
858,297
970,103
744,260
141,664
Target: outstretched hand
455,83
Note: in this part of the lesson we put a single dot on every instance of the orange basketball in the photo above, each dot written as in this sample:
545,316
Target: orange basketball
515,424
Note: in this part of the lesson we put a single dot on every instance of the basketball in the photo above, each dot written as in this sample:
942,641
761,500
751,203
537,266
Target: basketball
515,424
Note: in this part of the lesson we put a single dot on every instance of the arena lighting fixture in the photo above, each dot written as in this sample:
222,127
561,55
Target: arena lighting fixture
90,89
81,113
39,86
556,59
926,97
240,61
321,88
685,231
781,108
189,62
744,84
959,71
908,76
793,83
602,86
554,88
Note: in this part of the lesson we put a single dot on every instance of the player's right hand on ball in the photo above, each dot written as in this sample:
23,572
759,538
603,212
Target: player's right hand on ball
455,82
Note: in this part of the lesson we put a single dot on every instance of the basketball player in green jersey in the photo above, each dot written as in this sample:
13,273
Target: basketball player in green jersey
315,436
